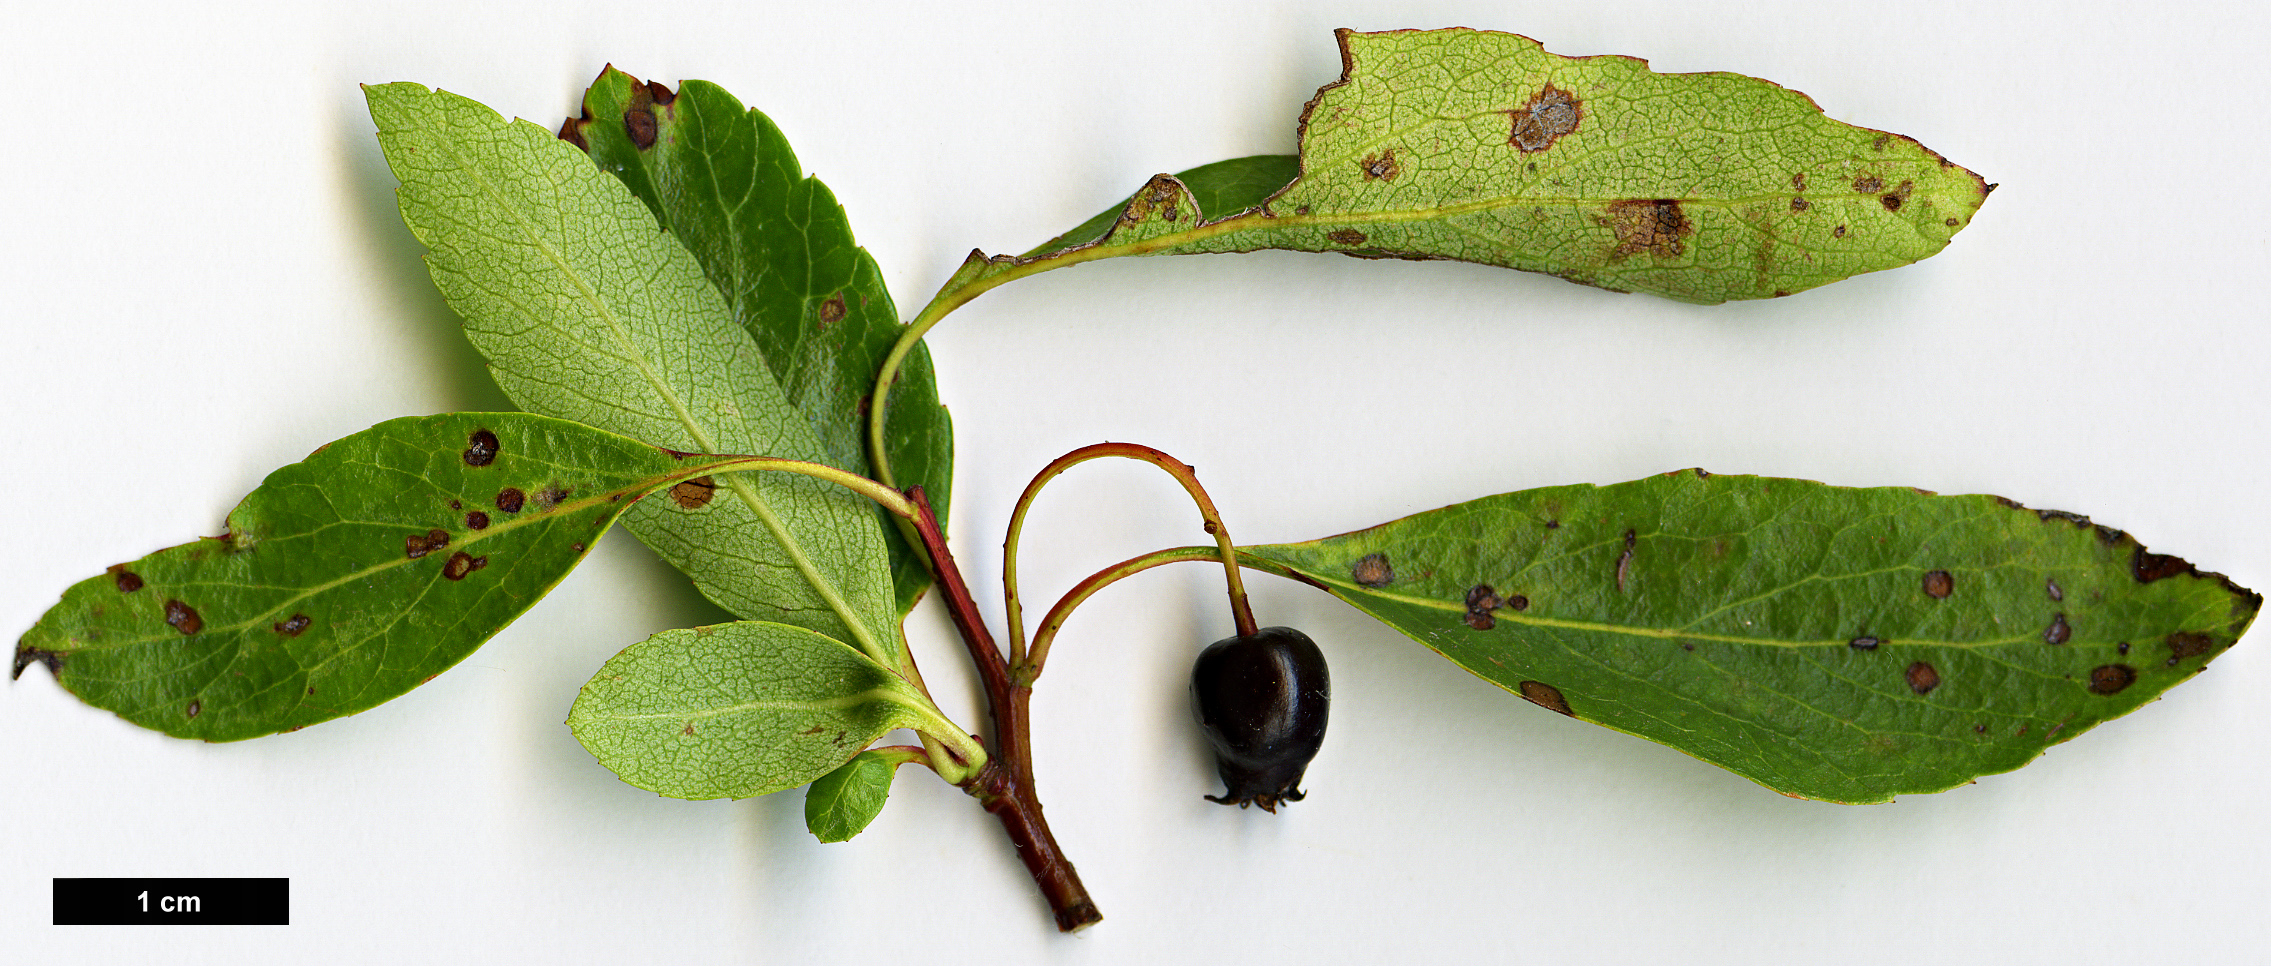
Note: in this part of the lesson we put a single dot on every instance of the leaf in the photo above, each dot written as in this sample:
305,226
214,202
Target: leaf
737,710
1826,642
840,804
349,578
723,180
1224,186
587,312
1481,147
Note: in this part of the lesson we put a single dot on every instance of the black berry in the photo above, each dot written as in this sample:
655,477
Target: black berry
1261,700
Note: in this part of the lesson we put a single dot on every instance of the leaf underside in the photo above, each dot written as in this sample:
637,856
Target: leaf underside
724,181
1482,147
587,312
349,578
737,710
1831,643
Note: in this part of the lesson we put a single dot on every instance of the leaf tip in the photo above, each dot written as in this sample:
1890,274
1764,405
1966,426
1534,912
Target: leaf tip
27,655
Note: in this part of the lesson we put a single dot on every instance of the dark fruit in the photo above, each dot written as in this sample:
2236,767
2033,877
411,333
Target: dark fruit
1261,699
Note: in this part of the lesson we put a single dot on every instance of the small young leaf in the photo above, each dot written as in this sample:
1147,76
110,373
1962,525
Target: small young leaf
723,180
349,578
737,710
1832,643
1482,147
587,312
840,804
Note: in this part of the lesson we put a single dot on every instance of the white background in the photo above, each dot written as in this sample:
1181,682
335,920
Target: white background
205,278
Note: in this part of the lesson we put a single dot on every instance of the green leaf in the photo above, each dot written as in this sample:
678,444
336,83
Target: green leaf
1826,642
736,710
587,312
1481,147
840,804
1224,186
723,180
349,578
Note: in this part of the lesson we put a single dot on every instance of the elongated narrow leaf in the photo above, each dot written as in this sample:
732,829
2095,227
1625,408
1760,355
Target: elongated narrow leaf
1483,147
1831,643
736,710
722,178
349,578
586,311
841,804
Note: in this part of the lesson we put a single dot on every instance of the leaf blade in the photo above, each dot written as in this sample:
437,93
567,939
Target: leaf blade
587,312
842,803
723,179
1481,146
349,578
738,710
1832,643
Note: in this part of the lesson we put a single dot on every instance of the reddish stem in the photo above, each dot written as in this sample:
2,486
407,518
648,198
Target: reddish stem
1005,785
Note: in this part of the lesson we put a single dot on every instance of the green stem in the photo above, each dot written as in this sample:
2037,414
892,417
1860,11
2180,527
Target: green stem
1047,633
1241,614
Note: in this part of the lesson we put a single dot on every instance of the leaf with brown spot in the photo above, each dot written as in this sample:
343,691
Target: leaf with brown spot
316,586
1483,147
1826,642
784,257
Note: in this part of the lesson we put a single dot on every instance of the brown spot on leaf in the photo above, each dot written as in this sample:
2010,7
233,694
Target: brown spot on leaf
2111,678
2187,644
1624,560
1549,115
26,656
1373,570
2058,632
577,547
2122,648
2050,586
1838,232
572,131
1863,643
293,626
1656,226
1798,181
1799,204
183,617
639,123
462,563
694,494
1518,602
832,311
195,706
550,497
1380,167
1892,200
1545,696
1939,584
418,545
688,730
1923,677
2149,567
128,581
1952,223
1481,600
481,450
477,520
510,499
1346,236
1978,729
1868,184
815,729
